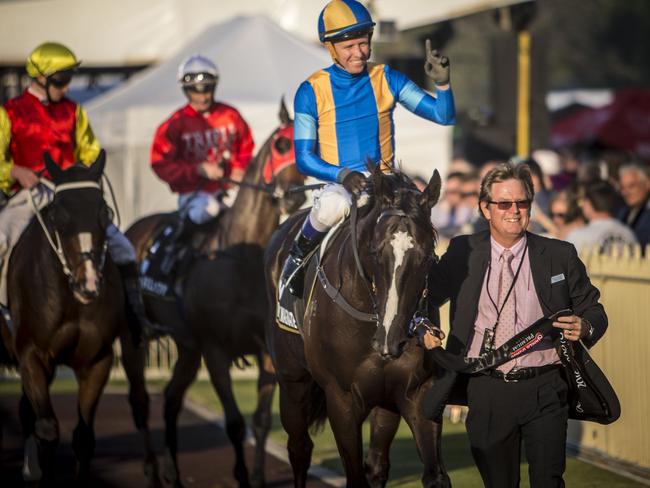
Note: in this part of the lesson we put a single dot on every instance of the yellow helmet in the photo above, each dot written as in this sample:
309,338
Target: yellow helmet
50,58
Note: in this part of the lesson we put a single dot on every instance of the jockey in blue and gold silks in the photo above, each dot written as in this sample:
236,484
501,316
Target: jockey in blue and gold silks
344,118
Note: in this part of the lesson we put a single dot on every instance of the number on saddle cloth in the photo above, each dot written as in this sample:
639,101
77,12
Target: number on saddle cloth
159,268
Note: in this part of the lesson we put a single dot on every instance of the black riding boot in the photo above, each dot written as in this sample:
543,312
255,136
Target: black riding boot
293,274
137,320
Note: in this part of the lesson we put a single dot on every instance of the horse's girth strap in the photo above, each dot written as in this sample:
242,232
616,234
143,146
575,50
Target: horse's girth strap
337,298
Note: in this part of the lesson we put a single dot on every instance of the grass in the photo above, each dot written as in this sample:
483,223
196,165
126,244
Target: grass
406,467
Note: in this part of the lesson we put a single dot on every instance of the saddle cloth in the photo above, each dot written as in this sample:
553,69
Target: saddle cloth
290,310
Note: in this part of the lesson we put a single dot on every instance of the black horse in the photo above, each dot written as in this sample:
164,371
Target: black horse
67,304
224,302
342,366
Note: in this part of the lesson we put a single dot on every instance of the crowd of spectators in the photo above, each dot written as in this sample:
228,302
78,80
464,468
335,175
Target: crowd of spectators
602,203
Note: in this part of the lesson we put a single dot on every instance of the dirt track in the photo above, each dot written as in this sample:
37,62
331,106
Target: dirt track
205,456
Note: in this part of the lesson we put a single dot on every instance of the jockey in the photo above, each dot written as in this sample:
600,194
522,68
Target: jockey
42,119
201,143
344,118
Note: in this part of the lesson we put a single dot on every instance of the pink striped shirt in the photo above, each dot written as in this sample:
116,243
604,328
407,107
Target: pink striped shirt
528,308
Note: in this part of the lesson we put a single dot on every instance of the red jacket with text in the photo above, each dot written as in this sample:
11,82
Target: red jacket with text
188,138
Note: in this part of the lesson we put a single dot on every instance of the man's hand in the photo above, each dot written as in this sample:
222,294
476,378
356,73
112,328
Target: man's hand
436,66
354,182
431,340
25,177
573,327
210,171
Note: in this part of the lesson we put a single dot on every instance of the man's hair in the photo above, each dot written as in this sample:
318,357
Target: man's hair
503,172
642,170
602,196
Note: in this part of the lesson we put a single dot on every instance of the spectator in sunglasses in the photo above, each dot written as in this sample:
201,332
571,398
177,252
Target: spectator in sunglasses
565,214
200,144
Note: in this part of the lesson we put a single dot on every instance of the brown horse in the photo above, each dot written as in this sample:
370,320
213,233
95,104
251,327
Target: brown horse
224,304
342,365
67,304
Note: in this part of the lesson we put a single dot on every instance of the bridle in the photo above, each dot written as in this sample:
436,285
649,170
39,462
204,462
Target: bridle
55,242
334,292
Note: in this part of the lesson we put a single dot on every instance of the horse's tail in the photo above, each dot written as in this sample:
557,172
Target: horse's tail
317,413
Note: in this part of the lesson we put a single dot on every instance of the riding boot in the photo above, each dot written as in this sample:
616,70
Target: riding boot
139,325
179,244
293,274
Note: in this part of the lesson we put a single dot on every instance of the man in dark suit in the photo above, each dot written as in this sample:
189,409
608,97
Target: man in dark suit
499,282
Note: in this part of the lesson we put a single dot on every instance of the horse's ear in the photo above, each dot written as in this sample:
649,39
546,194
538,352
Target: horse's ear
431,193
378,181
285,118
53,169
97,168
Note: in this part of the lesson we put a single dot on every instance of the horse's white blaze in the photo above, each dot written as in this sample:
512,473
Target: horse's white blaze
401,242
90,274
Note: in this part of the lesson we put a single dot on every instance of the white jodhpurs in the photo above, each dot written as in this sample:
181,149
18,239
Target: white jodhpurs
199,206
15,217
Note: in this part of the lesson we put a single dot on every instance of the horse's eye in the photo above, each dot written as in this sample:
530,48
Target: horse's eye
283,145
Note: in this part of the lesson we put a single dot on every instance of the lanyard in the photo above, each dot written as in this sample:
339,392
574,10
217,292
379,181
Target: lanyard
512,286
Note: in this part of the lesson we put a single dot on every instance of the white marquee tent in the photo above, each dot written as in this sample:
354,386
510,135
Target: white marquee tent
259,62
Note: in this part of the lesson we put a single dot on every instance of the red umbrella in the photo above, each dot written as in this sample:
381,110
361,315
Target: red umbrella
624,124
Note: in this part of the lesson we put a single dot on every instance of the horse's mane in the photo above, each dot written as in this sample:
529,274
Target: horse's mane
396,191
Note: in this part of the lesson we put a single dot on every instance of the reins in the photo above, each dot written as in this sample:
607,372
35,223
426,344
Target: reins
273,189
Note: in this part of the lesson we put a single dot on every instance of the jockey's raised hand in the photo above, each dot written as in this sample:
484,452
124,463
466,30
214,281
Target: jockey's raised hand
436,66
210,171
354,182
25,177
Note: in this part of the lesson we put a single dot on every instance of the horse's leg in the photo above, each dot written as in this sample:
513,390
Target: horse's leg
383,427
218,364
133,362
37,416
92,380
262,416
294,415
346,426
428,436
185,369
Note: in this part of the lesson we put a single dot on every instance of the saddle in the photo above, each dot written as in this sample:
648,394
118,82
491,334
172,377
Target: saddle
174,246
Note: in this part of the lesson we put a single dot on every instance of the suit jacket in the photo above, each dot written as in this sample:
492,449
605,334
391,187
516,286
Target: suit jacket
458,277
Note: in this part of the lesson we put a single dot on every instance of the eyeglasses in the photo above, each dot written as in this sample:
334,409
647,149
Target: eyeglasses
506,205
468,194
558,215
61,78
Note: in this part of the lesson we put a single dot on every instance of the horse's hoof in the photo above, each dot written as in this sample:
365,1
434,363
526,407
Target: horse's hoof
257,481
152,475
170,474
31,466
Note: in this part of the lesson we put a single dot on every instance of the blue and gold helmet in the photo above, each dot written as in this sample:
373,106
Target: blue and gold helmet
344,19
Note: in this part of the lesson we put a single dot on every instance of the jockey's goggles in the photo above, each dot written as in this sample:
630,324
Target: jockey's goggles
61,79
190,79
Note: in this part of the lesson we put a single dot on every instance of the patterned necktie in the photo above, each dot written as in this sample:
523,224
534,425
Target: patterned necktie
506,327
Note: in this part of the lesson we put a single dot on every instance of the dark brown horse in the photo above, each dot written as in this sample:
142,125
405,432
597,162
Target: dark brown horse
224,305
344,366
67,304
